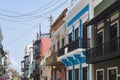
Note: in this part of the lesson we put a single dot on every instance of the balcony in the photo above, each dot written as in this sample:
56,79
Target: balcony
36,54
26,62
108,50
36,49
61,51
78,43
51,59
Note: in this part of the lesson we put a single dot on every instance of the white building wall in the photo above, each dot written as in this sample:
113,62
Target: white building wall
29,52
71,13
59,32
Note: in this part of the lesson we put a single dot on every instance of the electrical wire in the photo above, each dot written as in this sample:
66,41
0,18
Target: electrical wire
13,29
21,36
32,14
53,10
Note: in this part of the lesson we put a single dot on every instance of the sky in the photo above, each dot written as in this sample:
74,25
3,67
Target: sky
20,20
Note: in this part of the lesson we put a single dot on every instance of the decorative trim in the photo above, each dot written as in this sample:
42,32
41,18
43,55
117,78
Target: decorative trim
85,9
99,70
110,68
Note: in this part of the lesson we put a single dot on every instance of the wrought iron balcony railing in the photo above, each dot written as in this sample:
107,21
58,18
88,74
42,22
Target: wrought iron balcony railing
108,50
78,43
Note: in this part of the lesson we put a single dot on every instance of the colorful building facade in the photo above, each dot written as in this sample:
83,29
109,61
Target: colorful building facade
104,54
74,56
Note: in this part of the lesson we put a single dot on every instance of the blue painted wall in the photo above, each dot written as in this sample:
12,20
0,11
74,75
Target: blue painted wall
84,10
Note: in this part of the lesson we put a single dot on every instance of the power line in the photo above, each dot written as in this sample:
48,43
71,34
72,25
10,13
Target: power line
33,26
43,8
53,10
18,29
21,36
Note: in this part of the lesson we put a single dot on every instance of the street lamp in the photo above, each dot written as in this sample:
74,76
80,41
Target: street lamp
53,67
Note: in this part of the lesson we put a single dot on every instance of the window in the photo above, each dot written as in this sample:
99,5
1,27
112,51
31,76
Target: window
99,38
70,75
41,72
85,73
118,77
113,37
63,42
70,37
76,33
112,73
99,43
53,48
100,74
58,45
76,74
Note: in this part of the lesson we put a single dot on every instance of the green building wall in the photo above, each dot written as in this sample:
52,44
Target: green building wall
104,4
107,64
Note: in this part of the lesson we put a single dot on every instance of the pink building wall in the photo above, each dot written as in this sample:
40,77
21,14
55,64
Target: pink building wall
45,45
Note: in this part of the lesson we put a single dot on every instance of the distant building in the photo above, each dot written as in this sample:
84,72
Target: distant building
45,70
14,74
1,54
27,62
58,39
41,47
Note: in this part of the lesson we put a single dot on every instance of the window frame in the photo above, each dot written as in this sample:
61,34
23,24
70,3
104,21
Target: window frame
110,68
77,74
69,35
116,22
83,72
77,31
98,71
99,31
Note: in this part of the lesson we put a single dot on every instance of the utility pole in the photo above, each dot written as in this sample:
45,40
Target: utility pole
39,30
51,20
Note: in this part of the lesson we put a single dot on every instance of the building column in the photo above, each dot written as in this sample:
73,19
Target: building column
66,74
82,59
80,32
73,33
67,64
88,71
73,67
